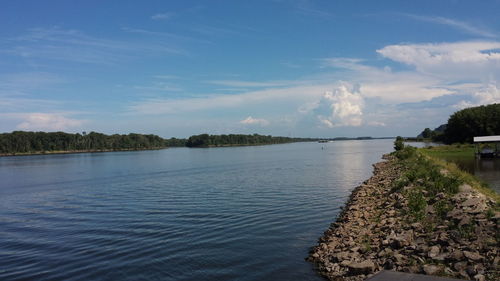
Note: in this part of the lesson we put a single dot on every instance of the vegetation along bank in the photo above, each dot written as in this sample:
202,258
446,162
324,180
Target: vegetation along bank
26,143
416,214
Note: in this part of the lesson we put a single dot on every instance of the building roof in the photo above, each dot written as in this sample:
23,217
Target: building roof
487,139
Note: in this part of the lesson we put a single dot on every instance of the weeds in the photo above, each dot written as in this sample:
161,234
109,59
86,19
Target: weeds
416,204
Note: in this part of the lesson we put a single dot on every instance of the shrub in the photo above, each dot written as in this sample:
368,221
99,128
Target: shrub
398,143
416,204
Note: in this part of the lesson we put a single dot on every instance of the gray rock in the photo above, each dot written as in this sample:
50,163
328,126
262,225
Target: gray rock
465,188
465,220
430,269
474,201
471,270
474,256
364,267
433,251
479,277
456,255
460,266
389,264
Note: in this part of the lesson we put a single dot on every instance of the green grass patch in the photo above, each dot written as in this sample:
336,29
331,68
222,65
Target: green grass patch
446,151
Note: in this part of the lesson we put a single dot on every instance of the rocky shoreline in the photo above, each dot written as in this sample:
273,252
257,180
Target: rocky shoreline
375,232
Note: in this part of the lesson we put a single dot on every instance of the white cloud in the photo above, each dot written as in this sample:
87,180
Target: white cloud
376,124
486,95
75,46
254,121
440,70
162,16
453,61
37,121
343,107
238,83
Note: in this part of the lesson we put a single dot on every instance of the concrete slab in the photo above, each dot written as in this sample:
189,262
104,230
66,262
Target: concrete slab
385,275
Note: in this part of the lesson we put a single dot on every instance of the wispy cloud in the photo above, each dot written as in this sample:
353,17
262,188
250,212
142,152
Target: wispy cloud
460,25
308,8
215,31
290,64
162,16
59,44
251,84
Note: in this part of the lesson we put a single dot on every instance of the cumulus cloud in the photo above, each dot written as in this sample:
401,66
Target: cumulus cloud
487,95
255,121
343,107
45,121
461,60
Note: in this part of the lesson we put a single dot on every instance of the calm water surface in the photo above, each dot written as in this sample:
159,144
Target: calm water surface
242,213
488,170
485,169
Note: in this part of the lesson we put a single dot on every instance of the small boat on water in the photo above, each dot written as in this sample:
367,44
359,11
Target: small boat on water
322,141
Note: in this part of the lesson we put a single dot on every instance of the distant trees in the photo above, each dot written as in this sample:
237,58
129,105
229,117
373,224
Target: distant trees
205,140
467,123
31,142
426,134
39,142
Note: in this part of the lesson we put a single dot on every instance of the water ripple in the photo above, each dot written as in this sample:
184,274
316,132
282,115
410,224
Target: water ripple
247,213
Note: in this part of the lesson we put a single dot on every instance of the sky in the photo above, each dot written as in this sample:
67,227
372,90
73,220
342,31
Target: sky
298,68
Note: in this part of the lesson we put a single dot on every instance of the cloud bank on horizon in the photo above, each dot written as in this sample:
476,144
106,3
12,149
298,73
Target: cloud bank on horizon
188,68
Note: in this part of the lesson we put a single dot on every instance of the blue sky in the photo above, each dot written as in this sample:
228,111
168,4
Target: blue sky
292,68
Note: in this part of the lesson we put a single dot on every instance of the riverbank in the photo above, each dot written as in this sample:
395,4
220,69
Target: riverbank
415,214
75,151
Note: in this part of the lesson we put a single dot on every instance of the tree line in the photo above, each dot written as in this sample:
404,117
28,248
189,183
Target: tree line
466,124
36,142
206,140
22,142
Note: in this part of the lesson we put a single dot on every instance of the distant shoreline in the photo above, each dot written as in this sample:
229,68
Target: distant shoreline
76,151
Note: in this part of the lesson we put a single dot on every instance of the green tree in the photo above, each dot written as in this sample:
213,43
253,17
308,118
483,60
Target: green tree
398,143
467,123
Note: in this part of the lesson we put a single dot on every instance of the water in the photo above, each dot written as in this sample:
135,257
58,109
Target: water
488,170
241,213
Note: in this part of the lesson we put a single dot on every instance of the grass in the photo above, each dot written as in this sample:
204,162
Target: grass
427,177
440,154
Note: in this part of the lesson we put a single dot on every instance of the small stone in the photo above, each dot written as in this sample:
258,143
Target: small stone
460,266
364,267
456,255
455,213
465,188
472,202
479,277
464,221
470,270
315,255
345,263
433,251
474,256
389,264
430,269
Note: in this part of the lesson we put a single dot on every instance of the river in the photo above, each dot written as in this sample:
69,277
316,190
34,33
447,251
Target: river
235,213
